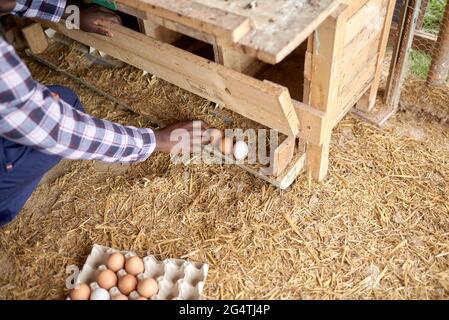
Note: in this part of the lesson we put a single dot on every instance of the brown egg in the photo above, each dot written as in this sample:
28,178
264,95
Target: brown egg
134,265
215,137
227,146
116,261
107,279
80,292
127,284
147,287
120,297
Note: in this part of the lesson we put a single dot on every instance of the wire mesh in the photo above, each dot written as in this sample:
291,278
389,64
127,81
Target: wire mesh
429,53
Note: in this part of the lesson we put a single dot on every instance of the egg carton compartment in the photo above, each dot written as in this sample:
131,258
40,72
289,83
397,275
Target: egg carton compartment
177,279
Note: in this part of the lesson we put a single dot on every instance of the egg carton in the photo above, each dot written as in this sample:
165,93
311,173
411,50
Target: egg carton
177,279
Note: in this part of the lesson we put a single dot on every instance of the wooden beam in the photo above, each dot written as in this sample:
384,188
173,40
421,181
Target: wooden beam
278,27
328,48
35,37
156,31
294,169
371,10
308,70
401,52
368,101
264,102
237,61
281,157
226,25
422,14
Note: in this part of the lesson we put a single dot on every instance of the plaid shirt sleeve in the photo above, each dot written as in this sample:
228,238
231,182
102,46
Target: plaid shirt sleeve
31,116
51,10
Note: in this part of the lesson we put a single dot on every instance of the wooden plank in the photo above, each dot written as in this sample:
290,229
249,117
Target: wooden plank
308,70
283,181
263,102
237,61
293,24
422,14
399,60
281,157
398,66
365,59
327,54
369,101
293,170
364,79
365,38
229,26
168,24
123,7
353,6
278,26
312,122
355,95
158,32
180,28
369,16
378,119
35,37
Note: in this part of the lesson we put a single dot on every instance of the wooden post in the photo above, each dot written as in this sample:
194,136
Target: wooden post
328,44
422,14
237,61
157,31
401,52
439,68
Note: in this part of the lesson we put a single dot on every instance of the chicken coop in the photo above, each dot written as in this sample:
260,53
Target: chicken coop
338,47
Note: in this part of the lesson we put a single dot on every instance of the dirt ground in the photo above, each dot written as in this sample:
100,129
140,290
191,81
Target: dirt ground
376,228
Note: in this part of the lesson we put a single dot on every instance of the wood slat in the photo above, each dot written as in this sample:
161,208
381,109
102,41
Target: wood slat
227,25
263,102
278,26
359,63
370,16
35,37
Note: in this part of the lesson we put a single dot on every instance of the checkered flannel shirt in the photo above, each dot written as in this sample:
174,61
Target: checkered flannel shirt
31,116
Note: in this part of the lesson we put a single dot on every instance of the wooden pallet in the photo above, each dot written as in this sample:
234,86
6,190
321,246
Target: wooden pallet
344,43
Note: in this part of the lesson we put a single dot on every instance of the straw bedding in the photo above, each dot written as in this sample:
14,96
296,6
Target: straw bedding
376,228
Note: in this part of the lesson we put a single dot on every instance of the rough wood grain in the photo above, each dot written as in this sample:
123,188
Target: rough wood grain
35,38
227,25
264,102
278,26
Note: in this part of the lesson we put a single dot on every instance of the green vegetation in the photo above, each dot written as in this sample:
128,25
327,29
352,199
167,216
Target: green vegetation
420,61
434,16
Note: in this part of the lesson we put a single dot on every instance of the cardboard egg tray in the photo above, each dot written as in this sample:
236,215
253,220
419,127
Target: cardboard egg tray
178,279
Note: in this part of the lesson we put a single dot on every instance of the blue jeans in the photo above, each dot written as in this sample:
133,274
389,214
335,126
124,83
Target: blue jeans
22,167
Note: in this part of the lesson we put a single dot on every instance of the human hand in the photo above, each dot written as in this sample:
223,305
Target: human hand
96,19
187,135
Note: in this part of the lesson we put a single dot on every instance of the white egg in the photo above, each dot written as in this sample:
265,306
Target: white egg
240,150
100,294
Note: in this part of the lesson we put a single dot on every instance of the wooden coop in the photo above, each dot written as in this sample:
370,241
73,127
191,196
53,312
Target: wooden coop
340,46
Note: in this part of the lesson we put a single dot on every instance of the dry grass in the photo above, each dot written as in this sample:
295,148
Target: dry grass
422,99
377,228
